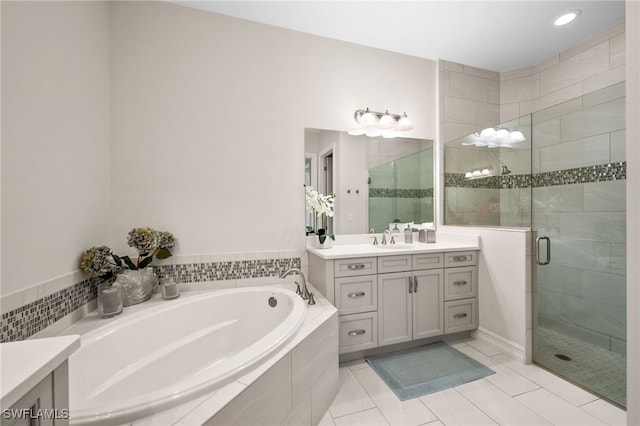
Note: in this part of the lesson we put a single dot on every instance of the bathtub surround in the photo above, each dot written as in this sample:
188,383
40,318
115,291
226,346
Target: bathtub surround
21,320
294,386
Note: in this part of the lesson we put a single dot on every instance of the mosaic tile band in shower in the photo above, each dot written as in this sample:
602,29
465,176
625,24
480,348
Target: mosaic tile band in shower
27,320
400,193
589,174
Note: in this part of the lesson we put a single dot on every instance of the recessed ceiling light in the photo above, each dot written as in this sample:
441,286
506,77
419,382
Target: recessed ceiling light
565,18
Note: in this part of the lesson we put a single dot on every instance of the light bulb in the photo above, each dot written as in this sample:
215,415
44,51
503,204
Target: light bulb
488,134
386,121
517,136
368,119
404,124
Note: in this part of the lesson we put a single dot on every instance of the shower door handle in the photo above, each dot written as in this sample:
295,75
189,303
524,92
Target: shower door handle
548,258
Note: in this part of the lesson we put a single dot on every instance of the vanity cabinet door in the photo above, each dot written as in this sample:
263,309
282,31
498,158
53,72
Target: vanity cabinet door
428,299
394,308
357,294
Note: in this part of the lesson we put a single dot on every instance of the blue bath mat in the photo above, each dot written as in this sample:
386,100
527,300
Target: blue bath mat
427,369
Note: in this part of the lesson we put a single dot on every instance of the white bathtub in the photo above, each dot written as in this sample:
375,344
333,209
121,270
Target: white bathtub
151,360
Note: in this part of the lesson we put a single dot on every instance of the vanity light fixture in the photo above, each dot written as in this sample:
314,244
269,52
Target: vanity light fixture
383,124
492,138
479,173
566,18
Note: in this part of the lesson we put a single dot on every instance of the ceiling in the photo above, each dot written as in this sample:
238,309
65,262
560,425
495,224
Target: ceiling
497,35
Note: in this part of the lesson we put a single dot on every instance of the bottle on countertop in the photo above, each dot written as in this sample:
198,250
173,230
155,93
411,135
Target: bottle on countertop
408,235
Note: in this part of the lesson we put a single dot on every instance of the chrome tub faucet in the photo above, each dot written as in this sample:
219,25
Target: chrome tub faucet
302,286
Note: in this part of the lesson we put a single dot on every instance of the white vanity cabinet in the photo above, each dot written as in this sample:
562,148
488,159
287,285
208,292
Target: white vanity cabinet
395,298
461,292
410,302
356,297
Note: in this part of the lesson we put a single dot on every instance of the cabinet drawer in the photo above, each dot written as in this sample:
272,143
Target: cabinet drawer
460,315
394,263
358,332
460,283
356,294
428,261
460,258
355,266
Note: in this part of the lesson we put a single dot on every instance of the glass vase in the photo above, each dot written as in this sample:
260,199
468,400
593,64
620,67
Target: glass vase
109,300
137,285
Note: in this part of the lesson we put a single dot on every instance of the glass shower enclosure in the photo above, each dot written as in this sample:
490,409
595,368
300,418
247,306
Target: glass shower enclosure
567,183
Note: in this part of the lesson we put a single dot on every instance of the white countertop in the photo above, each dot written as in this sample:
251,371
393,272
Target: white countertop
342,251
24,364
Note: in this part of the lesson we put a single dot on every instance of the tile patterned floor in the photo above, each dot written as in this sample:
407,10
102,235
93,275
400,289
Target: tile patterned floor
591,366
517,394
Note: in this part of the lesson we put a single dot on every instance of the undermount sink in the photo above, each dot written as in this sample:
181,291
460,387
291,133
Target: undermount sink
395,246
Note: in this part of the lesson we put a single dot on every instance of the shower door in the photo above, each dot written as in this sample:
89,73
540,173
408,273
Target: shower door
578,220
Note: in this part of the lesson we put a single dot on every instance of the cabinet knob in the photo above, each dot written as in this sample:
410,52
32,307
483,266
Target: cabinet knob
354,295
462,315
460,283
460,258
356,332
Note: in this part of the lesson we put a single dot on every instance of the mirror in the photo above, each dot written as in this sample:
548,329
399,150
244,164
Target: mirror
377,181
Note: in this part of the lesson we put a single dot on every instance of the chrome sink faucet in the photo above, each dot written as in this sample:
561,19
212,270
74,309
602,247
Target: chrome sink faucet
302,286
384,237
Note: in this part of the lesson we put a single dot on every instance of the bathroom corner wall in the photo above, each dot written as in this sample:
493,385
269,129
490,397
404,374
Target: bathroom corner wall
55,141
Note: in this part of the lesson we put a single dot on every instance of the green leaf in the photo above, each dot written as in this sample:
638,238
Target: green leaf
163,253
333,237
322,237
129,263
145,262
117,259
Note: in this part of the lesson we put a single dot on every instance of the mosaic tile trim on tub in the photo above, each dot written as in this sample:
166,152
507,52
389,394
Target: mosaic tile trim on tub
589,174
230,270
27,320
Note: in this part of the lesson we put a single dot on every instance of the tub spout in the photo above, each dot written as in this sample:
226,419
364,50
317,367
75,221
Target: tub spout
301,286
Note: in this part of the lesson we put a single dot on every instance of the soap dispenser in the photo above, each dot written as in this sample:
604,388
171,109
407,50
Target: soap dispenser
408,235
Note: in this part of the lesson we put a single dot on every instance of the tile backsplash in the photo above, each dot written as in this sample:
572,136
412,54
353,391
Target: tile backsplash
24,321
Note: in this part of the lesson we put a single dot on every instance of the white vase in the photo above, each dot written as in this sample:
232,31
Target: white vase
137,285
328,243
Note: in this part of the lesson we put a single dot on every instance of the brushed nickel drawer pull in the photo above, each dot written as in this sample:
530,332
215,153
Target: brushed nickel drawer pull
356,332
355,266
459,258
460,283
354,295
459,315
